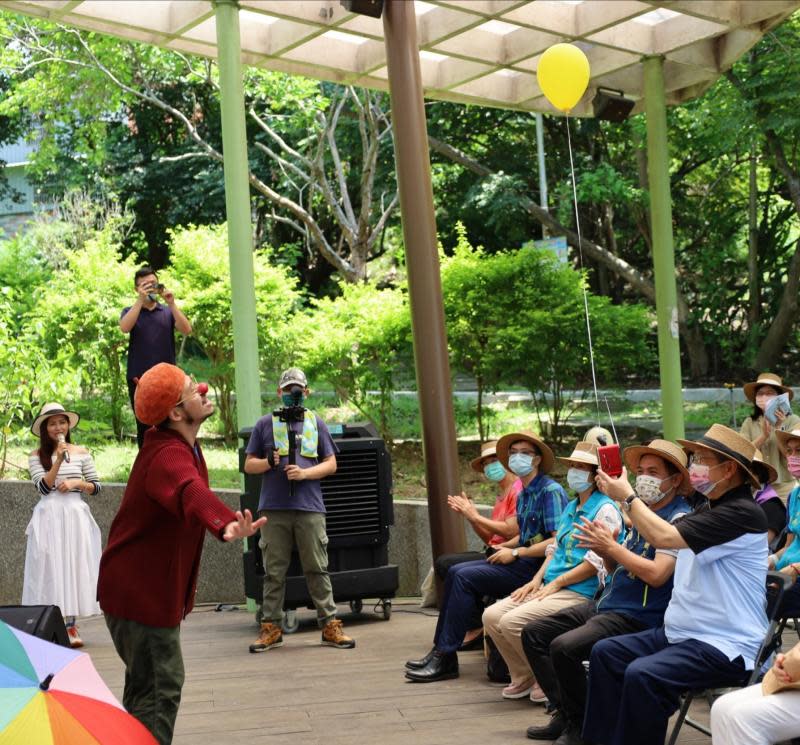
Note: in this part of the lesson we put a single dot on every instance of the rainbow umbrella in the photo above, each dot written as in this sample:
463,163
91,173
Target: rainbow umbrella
51,695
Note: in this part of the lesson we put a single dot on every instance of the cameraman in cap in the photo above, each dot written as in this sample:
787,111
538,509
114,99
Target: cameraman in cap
291,497
151,326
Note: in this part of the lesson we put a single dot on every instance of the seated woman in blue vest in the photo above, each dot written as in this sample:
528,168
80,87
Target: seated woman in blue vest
568,575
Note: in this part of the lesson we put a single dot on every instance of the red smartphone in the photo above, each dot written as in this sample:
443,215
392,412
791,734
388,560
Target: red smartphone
610,460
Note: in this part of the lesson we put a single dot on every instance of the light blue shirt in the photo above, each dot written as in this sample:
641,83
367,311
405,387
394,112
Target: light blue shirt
719,597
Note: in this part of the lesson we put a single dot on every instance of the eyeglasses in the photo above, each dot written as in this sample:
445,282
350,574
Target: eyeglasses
514,451
702,460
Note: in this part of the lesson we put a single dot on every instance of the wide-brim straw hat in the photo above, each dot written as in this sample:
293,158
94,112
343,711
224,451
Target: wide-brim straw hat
585,454
52,409
784,437
729,444
759,464
665,449
791,663
506,441
769,379
595,433
488,449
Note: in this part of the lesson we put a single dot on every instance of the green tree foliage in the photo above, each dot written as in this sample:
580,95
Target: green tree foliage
76,320
359,343
200,274
517,317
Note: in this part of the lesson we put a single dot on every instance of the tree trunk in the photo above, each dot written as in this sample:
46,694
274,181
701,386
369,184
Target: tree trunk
779,330
754,280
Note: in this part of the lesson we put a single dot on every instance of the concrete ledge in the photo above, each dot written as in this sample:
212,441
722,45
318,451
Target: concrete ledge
221,578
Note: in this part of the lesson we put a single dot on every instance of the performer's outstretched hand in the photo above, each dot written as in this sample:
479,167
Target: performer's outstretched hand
243,526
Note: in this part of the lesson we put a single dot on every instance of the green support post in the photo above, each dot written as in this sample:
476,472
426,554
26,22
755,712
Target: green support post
669,357
237,209
240,232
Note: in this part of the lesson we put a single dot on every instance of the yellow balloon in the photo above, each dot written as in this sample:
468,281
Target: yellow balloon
563,74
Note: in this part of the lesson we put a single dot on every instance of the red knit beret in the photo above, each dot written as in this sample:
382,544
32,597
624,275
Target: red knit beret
158,392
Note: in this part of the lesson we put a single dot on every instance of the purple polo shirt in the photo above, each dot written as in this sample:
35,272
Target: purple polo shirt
274,484
152,340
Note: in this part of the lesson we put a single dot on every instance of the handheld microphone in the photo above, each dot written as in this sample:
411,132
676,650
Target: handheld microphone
61,438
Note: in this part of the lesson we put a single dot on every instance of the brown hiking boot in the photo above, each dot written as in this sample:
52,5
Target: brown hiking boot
269,637
334,636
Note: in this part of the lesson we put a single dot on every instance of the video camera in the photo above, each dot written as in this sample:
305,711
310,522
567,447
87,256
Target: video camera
295,412
288,414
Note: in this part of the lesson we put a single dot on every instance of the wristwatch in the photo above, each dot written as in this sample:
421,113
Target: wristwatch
626,505
515,553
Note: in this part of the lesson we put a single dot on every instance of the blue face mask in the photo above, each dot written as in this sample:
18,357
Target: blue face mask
521,464
578,480
289,399
494,471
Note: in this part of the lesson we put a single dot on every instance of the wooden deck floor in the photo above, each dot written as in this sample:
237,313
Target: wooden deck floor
314,695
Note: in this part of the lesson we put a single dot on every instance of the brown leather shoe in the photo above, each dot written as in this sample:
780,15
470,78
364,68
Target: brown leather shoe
269,637
334,636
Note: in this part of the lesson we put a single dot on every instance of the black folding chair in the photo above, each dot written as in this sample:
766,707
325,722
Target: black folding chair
776,585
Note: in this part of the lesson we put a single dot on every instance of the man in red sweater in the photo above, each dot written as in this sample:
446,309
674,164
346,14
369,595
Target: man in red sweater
148,572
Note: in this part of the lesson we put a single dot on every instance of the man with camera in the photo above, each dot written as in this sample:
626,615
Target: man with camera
151,326
293,449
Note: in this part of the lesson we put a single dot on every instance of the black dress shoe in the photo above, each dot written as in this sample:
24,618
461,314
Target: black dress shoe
420,663
442,665
476,643
550,731
570,736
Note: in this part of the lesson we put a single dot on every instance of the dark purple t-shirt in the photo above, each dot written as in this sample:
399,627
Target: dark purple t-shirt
152,340
274,484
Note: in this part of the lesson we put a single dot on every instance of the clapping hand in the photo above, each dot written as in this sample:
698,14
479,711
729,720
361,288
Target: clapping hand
462,504
595,536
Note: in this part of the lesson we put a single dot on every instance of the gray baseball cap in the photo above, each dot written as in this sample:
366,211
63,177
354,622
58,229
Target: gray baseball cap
292,376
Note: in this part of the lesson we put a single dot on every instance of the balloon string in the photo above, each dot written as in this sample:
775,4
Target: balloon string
583,279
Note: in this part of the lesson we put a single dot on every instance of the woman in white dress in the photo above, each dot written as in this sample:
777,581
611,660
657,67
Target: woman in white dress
64,544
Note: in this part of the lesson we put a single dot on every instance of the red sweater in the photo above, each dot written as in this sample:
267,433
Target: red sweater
148,572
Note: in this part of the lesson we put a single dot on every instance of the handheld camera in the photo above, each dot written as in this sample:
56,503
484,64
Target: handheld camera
288,414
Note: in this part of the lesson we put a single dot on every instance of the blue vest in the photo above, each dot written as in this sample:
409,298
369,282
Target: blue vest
627,594
568,554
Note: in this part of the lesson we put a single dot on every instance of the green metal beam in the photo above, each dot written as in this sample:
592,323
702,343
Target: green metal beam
669,358
237,208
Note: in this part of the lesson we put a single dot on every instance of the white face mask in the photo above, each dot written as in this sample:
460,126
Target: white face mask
648,489
579,480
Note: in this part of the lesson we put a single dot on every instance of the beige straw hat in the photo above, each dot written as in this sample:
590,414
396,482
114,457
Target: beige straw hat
662,449
585,453
730,445
784,437
488,449
766,379
506,441
596,433
791,664
52,409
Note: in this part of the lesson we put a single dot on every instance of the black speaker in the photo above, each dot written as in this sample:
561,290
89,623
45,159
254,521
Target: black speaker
42,621
372,8
612,106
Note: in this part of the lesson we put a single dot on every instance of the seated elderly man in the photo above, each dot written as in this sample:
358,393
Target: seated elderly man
634,599
539,507
714,622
